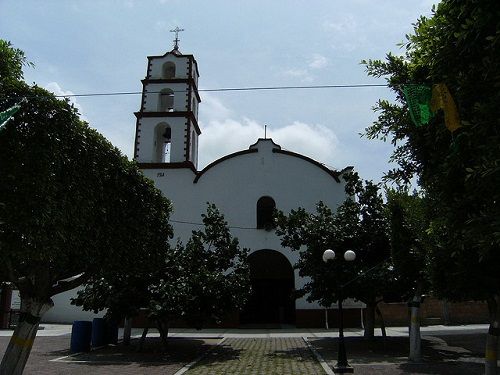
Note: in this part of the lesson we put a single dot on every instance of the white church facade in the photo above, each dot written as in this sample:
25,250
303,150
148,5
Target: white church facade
245,186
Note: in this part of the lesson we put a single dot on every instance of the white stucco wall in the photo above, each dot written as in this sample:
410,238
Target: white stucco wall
156,66
64,312
235,184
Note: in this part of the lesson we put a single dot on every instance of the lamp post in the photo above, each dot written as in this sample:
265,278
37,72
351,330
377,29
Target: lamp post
342,366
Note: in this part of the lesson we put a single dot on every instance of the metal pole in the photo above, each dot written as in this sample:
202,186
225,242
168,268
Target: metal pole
342,366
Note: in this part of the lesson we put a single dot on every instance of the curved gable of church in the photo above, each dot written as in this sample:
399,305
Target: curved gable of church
237,181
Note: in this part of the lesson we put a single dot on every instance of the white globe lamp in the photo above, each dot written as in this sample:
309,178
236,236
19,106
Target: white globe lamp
328,255
349,255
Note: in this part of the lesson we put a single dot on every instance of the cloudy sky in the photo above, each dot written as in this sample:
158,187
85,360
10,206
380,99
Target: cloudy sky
101,46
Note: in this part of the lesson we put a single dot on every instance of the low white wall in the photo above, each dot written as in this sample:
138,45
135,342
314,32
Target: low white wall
64,312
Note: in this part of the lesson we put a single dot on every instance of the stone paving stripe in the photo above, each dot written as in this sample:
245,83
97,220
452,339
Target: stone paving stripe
196,360
318,356
62,359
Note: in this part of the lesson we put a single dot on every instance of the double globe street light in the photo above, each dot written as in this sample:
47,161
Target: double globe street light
342,366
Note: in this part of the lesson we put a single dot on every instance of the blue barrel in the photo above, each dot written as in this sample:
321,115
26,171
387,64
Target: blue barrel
81,333
98,332
111,332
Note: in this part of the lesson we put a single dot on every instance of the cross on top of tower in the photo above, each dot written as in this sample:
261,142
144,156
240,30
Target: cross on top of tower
176,40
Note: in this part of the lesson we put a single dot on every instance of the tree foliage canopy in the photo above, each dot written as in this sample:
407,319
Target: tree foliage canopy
460,170
197,282
358,224
72,203
208,277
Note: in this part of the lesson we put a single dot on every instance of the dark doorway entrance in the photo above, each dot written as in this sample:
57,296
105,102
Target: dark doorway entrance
271,303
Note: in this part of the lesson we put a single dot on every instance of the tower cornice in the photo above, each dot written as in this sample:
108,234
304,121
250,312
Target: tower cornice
190,115
189,81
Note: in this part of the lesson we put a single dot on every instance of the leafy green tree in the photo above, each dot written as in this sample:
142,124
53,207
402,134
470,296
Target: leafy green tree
198,282
458,170
12,62
358,224
409,247
71,204
207,278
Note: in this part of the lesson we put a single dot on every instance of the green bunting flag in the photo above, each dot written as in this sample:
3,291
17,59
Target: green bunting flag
418,98
425,100
7,114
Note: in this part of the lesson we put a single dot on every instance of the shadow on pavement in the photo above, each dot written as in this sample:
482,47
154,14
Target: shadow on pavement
179,351
457,354
295,353
219,355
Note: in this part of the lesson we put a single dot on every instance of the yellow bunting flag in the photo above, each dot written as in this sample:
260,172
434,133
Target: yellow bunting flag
442,99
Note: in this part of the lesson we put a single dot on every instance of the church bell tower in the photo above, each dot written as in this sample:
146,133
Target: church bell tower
167,128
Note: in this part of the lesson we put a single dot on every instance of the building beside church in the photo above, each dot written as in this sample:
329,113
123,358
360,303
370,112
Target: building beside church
246,186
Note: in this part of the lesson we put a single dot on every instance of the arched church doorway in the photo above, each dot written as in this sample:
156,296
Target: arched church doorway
271,302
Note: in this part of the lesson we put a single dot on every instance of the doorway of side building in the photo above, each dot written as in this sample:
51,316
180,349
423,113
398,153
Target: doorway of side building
270,304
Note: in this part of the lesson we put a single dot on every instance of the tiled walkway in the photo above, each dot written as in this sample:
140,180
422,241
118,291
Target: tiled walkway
262,356
447,350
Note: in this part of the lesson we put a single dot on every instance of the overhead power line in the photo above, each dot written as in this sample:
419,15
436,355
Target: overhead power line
201,224
223,89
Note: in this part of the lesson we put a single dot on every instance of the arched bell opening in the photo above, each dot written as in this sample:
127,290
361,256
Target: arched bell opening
166,101
163,143
168,70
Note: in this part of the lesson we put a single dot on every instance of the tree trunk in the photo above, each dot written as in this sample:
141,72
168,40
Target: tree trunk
22,339
369,330
382,321
163,329
446,312
490,356
127,331
415,340
143,338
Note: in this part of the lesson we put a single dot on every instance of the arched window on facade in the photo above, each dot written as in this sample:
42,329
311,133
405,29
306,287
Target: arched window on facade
168,70
166,101
265,211
163,143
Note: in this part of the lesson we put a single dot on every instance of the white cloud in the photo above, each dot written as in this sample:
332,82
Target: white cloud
55,88
223,137
345,33
224,132
345,24
212,108
315,62
318,61
314,140
302,74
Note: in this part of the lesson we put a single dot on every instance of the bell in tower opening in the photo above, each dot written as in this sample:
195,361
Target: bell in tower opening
167,137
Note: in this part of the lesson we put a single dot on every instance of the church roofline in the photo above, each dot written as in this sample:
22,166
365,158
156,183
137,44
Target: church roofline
335,174
198,174
224,158
265,140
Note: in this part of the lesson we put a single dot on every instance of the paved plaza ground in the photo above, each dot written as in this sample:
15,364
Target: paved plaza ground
447,350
